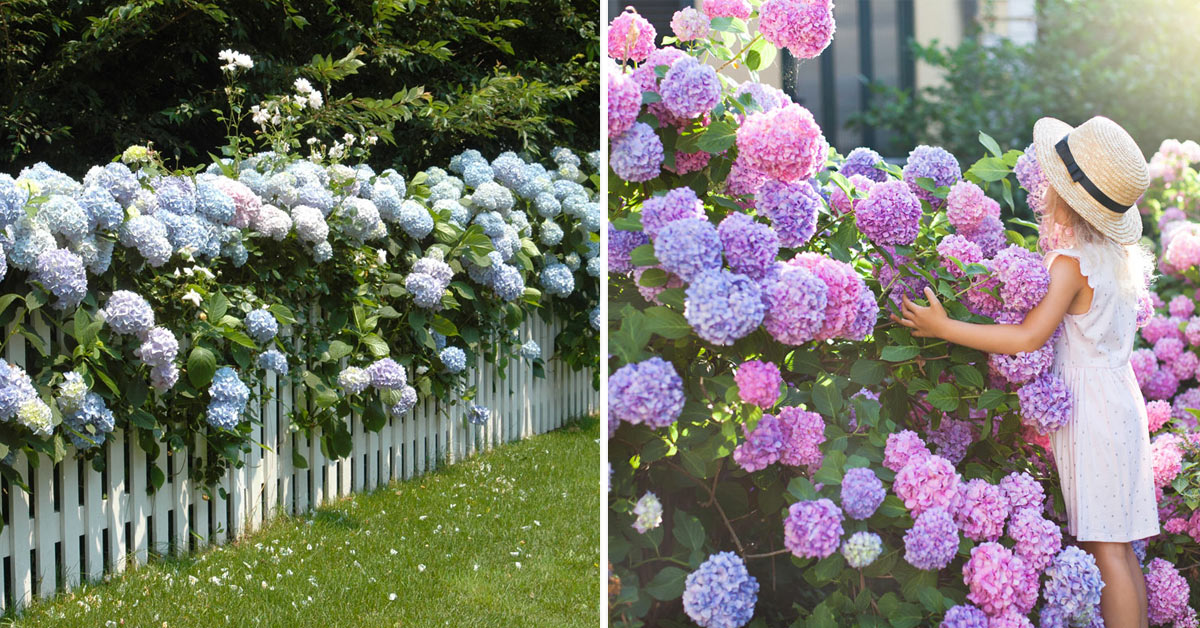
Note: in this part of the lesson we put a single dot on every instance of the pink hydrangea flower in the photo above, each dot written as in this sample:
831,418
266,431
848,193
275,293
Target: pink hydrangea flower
1045,403
813,529
1181,306
842,204
1161,385
1191,332
1176,525
646,75
1168,349
903,447
967,206
980,510
803,433
1037,539
1184,251
690,24
927,483
630,37
1022,491
804,27
726,8
1166,458
1184,367
1158,413
624,103
785,143
1011,619
758,383
1160,327
1144,366
1167,592
844,284
998,581
689,162
961,249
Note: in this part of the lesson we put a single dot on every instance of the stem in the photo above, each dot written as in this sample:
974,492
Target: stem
768,554
739,54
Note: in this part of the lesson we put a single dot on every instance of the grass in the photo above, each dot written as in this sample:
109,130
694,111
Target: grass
508,538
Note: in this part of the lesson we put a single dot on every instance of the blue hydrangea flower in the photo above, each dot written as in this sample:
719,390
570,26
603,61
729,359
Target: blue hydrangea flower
492,224
433,265
261,325
102,209
723,306
478,415
720,593
459,162
387,374
214,204
392,179
316,196
177,195
557,280
509,170
12,200
354,380
281,189
29,241
236,252
447,190
149,236
224,415
425,289
273,360
61,272
227,387
454,359
508,283
388,201
593,267
127,313
15,389
546,205
164,377
649,392
310,224
491,196
408,399
62,215
362,216
414,219
594,318
118,180
550,233
49,180
530,350
90,422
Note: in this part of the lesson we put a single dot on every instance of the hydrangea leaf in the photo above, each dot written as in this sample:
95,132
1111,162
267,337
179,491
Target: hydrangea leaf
201,365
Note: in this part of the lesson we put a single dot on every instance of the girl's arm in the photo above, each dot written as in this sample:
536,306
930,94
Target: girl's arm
1066,282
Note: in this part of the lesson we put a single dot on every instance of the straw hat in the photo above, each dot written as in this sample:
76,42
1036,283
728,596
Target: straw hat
1098,170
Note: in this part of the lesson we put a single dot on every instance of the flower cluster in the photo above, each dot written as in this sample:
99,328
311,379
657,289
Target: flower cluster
720,593
228,399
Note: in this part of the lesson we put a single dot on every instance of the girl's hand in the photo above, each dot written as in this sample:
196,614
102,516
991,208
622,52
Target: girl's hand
926,322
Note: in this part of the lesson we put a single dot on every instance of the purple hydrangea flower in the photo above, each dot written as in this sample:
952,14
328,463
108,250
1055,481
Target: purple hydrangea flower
862,161
649,392
637,155
891,214
957,247
408,400
61,273
750,247
763,445
1167,592
931,162
932,542
159,347
1022,491
989,234
964,616
387,374
791,208
1023,277
1030,176
688,247
720,593
690,88
677,204
1073,585
1045,403
1038,540
803,433
862,493
796,302
812,529
478,415
952,439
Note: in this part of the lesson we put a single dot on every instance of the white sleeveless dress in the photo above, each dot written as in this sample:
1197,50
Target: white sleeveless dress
1103,452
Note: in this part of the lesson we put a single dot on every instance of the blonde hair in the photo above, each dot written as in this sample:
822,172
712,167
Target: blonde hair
1133,263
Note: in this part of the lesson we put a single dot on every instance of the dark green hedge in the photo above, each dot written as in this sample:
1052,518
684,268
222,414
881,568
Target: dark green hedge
81,81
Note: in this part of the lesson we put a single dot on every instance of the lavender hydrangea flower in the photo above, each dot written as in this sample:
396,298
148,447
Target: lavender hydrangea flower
965,616
862,493
557,280
149,237
677,204
720,593
750,247
688,247
932,542
891,214
952,439
791,208
931,162
1073,585
795,302
812,529
478,415
127,313
229,396
1023,277
763,444
159,347
723,306
386,374
690,88
637,155
861,549
649,392
61,272
647,512
408,400
862,161
1038,540
1045,403
454,359
261,325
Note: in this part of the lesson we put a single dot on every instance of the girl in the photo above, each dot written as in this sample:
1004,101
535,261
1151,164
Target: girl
1097,274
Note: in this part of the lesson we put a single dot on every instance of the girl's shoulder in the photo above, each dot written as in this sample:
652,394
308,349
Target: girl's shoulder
1091,260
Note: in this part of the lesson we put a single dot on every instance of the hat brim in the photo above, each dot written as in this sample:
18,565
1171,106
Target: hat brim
1123,228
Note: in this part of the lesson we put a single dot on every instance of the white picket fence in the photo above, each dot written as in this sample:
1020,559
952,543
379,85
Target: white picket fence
77,523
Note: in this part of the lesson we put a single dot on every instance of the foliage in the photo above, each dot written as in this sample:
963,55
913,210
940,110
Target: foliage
1068,73
378,268
82,80
700,457
358,563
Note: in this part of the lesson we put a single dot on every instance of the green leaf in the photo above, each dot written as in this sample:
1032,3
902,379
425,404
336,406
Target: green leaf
443,326
989,169
201,365
239,337
283,314
216,306
822,616
991,398
968,375
667,584
7,300
157,479
643,256
688,530
826,397
718,138
989,144
339,350
828,568
374,418
376,345
899,353
667,323
868,372
298,460
944,397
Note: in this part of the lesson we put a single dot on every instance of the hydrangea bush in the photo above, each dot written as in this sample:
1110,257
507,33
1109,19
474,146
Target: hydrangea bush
810,462
169,295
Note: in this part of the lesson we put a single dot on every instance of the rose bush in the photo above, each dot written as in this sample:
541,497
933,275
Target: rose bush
167,295
781,453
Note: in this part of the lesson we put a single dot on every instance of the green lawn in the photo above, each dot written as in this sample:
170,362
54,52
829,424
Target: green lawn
509,538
